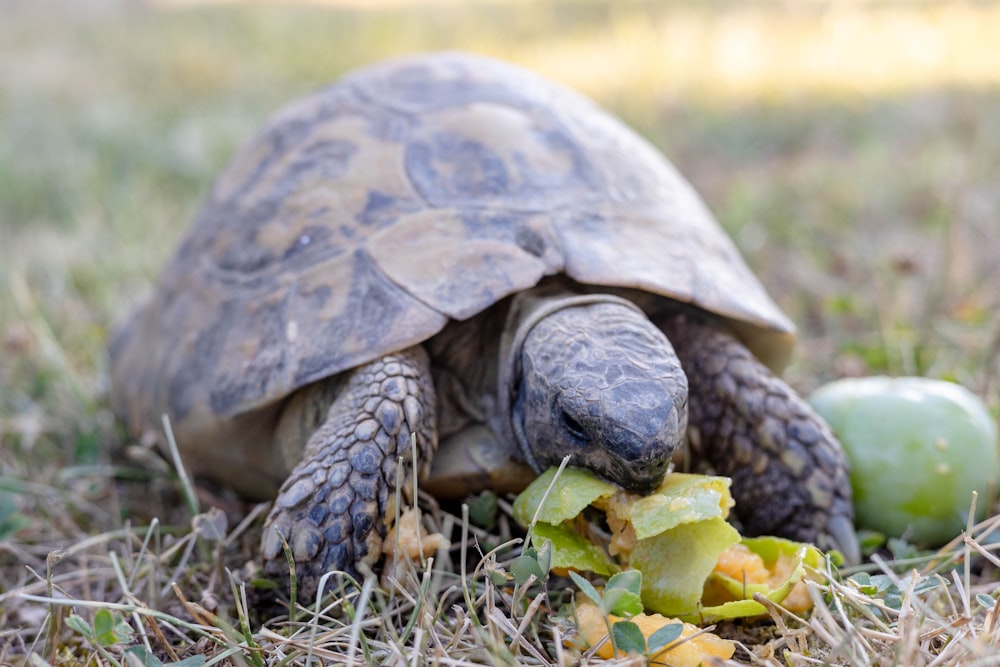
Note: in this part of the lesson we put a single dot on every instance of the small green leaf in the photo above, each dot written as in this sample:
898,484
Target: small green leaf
79,625
621,602
123,629
883,583
985,601
104,627
926,584
545,556
861,579
139,656
665,636
630,580
526,565
483,510
628,637
864,583
498,577
586,588
110,629
902,550
622,594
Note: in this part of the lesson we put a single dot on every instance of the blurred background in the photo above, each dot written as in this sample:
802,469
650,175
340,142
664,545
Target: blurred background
851,148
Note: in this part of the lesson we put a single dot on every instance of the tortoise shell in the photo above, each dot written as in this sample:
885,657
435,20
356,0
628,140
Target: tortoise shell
365,217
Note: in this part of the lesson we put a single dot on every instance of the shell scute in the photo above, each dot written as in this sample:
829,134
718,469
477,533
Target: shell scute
477,243
463,157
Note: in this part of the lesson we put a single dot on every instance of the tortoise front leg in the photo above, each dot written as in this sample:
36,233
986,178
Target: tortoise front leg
789,472
332,507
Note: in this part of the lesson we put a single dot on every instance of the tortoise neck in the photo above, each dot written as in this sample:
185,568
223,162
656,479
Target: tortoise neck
527,309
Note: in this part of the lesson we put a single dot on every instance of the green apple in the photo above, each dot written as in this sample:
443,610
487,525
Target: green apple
918,448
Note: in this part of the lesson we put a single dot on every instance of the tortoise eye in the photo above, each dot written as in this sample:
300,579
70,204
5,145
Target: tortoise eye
574,427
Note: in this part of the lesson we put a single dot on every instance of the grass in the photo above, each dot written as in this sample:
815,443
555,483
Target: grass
850,149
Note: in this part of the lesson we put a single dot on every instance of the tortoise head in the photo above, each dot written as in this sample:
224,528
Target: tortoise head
601,383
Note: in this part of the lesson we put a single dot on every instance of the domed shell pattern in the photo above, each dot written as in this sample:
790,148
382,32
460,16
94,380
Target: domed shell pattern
364,217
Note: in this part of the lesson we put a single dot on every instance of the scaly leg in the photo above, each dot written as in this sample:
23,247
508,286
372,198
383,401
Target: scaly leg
789,472
331,508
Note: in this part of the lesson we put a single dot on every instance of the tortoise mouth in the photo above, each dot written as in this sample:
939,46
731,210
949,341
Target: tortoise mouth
635,461
643,479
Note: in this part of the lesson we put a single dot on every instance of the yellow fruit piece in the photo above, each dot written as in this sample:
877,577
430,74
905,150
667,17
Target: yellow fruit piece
623,539
681,653
798,599
410,539
741,564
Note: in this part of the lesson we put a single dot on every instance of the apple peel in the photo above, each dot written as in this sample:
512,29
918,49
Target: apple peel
773,567
675,537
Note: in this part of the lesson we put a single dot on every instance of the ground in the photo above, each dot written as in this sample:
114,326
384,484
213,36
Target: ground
850,148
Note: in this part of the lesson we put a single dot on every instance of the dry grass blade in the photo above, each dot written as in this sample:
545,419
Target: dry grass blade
911,618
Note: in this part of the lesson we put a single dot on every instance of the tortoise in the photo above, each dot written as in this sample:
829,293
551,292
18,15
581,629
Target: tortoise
454,249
